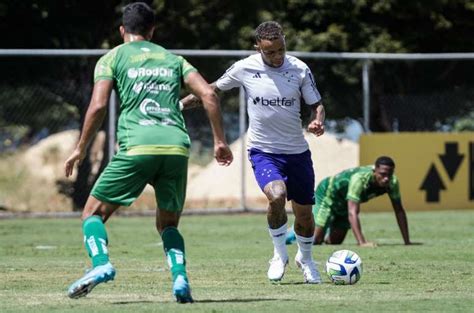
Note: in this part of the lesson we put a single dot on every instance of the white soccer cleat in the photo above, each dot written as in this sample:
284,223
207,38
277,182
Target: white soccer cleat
99,274
310,271
276,269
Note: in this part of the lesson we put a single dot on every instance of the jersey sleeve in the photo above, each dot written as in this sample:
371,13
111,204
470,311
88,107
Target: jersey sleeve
308,89
231,78
394,191
356,186
104,67
186,67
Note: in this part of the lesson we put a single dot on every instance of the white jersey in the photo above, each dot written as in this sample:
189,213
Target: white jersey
273,101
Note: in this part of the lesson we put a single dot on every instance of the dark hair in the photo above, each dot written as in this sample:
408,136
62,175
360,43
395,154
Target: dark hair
384,160
138,18
270,30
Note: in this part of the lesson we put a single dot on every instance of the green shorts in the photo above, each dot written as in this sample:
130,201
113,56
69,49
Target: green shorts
125,177
328,213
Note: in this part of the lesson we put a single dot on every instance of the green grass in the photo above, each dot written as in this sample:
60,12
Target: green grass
227,264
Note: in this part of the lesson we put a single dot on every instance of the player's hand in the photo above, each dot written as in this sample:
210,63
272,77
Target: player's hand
316,127
76,156
223,154
368,244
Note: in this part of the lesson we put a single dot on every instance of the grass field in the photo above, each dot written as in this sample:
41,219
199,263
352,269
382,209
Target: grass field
227,264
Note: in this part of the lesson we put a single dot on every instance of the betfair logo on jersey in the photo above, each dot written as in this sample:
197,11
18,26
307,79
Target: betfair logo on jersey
149,72
276,102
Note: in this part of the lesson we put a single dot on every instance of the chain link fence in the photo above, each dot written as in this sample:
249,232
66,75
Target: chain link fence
432,95
43,99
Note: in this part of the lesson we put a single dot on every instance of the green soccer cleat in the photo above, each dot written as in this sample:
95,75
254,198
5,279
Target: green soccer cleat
99,274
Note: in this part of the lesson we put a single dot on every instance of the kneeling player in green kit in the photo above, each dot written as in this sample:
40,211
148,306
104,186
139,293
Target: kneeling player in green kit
338,200
153,144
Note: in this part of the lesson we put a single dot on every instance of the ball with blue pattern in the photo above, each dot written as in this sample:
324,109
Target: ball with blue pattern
344,267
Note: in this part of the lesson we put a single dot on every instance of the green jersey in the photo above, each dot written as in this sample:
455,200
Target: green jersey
147,79
358,185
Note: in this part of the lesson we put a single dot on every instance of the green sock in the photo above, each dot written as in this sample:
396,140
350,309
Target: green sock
173,244
95,240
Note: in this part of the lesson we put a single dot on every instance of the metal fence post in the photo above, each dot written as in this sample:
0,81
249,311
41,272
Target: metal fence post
111,126
366,94
243,151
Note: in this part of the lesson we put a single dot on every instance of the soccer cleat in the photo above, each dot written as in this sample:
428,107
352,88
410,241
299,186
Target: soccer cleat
276,269
290,236
310,271
182,290
99,274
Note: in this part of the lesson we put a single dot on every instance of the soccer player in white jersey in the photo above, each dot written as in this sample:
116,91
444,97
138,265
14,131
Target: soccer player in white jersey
274,84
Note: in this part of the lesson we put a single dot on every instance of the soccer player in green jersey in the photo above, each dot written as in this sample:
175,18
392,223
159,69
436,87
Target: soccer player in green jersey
338,200
153,144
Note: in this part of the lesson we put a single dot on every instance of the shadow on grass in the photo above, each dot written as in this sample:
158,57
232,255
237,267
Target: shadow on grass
205,301
137,302
240,300
300,283
399,244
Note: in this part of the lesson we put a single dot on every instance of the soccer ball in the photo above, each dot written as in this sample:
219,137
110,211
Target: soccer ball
344,267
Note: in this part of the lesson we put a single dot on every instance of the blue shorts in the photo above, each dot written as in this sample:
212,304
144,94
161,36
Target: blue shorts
296,170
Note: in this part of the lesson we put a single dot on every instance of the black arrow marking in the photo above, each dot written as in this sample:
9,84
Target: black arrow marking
432,184
451,158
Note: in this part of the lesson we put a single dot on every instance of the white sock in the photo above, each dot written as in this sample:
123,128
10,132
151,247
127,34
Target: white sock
279,237
305,248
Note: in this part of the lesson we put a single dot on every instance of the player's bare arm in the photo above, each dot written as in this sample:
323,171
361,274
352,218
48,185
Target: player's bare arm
191,101
202,90
95,115
316,126
401,220
354,209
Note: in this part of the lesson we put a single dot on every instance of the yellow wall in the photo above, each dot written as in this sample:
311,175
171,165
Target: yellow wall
414,155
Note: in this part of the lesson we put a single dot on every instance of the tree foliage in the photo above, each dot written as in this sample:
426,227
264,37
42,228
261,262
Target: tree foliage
310,25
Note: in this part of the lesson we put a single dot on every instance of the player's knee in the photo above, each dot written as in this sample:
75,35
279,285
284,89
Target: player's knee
276,193
86,214
277,198
166,219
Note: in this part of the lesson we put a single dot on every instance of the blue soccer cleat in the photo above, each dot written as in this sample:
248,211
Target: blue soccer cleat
99,274
182,290
290,236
